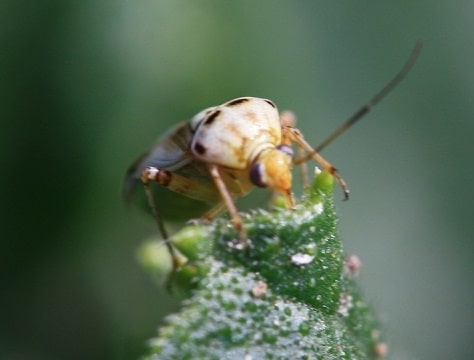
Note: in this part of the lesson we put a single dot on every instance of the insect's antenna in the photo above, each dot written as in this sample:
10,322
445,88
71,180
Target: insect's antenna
367,107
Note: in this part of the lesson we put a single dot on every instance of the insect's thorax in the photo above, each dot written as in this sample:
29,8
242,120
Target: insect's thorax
233,134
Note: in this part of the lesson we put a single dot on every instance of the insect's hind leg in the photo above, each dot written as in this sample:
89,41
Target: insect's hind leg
227,198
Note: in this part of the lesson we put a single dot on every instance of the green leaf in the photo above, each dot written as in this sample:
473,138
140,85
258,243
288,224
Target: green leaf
288,296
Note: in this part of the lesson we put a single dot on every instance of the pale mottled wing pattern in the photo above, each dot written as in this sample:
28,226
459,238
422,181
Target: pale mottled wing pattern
171,153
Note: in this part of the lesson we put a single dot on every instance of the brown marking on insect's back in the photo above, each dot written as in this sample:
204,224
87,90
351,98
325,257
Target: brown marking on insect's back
199,148
210,119
271,103
236,102
240,153
250,114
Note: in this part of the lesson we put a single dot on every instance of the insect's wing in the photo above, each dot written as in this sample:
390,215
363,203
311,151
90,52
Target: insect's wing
171,153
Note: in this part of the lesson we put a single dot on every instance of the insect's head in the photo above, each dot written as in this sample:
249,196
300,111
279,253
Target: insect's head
272,169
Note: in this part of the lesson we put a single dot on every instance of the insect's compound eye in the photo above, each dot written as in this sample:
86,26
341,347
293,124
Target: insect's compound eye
286,149
257,175
272,168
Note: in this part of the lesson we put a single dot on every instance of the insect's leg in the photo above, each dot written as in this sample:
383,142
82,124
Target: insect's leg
303,167
150,175
214,212
296,136
204,191
200,190
288,120
229,202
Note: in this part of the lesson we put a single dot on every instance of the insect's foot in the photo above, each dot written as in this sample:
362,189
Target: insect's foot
346,194
242,244
198,221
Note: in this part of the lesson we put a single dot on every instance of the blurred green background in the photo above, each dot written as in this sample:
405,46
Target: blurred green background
86,86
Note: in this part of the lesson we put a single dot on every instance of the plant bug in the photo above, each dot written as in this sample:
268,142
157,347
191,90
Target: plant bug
226,150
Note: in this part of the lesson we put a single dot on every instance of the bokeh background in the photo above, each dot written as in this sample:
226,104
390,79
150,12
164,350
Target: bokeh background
86,86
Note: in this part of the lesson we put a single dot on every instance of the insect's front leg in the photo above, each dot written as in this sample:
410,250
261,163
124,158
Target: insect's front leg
295,135
288,120
229,202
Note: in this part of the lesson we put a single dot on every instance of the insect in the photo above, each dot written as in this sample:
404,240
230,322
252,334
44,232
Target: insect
227,150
